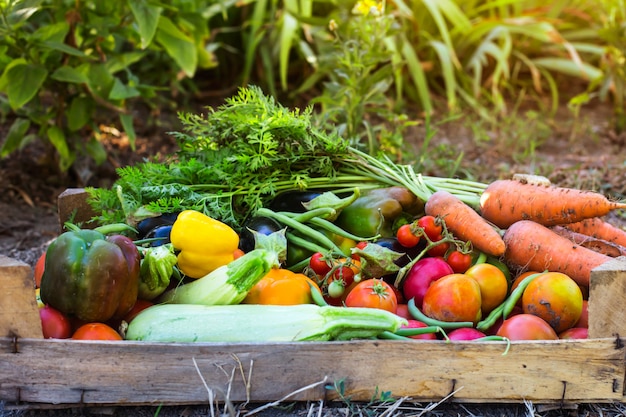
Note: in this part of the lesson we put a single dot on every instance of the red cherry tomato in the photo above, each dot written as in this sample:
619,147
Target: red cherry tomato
319,264
345,274
39,267
431,227
406,237
459,261
440,249
373,293
54,324
96,331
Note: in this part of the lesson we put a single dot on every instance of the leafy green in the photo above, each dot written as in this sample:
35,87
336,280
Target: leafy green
235,159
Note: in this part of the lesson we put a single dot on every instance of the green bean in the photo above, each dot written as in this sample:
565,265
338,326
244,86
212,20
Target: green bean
415,312
300,227
317,296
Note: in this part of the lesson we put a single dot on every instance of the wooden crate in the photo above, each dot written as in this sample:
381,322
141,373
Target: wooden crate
70,373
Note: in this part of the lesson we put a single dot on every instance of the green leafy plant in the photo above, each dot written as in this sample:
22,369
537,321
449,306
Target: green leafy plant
62,62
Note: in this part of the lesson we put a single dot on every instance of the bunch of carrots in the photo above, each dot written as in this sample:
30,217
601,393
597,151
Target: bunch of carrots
536,226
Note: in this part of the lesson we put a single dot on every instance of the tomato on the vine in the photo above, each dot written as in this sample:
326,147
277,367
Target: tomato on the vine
373,293
96,331
345,274
431,227
459,261
406,237
319,264
440,249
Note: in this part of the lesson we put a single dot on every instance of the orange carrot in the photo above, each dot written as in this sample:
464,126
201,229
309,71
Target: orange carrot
598,245
506,201
599,229
465,223
535,247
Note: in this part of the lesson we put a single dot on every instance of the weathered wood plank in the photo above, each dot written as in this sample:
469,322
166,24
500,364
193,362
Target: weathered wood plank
19,316
78,372
607,296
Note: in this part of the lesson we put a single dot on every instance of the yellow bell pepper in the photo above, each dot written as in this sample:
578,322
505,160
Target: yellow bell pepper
204,243
281,287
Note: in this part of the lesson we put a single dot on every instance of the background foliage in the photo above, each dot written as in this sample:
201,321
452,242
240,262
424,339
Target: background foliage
66,66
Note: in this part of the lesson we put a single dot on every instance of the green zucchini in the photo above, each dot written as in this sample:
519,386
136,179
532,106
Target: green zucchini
259,323
228,284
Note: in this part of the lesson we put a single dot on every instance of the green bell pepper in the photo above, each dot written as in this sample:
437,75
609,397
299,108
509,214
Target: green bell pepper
375,211
90,275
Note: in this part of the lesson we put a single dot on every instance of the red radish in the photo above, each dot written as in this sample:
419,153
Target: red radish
421,275
465,333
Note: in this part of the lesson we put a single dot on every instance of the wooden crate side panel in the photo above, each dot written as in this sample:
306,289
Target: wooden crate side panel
607,295
19,316
71,372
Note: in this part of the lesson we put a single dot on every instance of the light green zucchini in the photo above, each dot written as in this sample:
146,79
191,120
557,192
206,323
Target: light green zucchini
228,284
259,323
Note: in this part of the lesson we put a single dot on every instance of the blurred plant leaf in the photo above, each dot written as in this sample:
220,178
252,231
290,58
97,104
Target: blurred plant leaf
147,17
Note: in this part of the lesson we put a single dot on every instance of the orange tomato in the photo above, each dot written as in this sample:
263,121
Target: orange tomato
453,298
556,298
96,331
281,287
494,286
38,270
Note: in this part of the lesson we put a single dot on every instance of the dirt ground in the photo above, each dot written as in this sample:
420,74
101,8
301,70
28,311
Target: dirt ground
594,159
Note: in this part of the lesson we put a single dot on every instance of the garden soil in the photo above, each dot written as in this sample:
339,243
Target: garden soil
583,152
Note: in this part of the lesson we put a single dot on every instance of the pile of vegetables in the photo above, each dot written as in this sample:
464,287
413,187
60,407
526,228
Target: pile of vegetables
266,229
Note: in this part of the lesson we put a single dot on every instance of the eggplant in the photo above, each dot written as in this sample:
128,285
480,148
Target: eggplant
292,201
409,253
162,232
147,225
260,224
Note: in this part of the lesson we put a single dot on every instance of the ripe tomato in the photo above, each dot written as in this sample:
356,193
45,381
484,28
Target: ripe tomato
440,249
494,286
459,261
406,237
432,227
139,306
373,293
345,274
319,264
96,331
39,267
54,324
526,327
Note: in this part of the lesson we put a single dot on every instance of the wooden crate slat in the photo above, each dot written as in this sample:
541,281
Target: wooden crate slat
154,373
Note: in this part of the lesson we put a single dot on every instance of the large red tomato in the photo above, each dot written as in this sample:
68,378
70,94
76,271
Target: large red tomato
526,327
373,293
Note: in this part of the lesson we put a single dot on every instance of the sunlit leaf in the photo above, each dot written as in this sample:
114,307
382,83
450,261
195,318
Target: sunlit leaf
179,46
23,83
566,66
147,17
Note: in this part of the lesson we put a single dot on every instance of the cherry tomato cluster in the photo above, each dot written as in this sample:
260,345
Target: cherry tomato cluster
335,276
432,230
